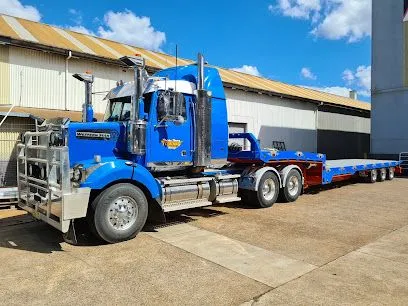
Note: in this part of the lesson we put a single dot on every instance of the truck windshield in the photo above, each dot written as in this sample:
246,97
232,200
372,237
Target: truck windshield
118,109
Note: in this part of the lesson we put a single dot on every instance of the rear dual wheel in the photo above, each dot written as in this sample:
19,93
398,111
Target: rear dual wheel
293,186
267,193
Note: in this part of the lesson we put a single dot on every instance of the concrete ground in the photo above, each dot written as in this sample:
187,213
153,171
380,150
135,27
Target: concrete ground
342,246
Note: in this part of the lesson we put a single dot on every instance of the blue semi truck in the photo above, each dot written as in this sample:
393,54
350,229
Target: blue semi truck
162,146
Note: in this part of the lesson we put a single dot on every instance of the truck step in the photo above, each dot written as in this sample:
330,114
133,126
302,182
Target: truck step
227,199
173,206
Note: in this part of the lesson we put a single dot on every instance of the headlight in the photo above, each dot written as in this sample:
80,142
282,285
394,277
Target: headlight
77,174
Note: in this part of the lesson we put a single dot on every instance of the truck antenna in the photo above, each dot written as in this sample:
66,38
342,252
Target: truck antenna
175,84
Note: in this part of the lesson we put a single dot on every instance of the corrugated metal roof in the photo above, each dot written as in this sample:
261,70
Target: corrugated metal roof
21,29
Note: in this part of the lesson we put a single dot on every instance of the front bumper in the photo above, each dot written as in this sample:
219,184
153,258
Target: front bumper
59,212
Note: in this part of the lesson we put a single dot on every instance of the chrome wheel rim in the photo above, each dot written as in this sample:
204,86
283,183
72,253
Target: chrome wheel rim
383,174
122,213
293,185
268,189
374,175
391,174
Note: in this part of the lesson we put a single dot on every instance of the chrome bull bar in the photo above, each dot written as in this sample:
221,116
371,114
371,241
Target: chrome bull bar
44,185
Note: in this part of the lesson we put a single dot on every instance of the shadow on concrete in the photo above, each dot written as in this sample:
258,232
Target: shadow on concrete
26,234
318,189
183,216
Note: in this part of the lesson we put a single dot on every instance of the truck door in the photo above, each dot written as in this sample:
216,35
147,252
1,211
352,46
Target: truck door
171,130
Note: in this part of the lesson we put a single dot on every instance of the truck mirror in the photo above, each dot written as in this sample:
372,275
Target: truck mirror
164,106
170,106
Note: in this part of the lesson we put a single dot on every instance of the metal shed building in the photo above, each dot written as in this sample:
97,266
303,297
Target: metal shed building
389,79
37,62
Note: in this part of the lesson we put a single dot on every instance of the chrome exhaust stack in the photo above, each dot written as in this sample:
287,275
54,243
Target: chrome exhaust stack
136,125
202,153
87,110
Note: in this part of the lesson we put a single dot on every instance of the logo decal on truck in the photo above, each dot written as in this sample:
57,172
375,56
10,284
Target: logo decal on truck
171,144
96,135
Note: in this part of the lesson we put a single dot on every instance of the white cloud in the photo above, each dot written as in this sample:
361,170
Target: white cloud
76,16
360,79
308,74
248,70
303,9
336,90
81,29
128,28
331,19
348,76
17,9
349,19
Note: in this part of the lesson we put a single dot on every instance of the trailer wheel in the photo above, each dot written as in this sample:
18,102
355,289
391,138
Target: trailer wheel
268,191
382,175
293,186
390,174
372,176
119,213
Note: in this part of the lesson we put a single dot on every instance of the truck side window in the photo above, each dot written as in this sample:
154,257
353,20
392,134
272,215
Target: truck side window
171,104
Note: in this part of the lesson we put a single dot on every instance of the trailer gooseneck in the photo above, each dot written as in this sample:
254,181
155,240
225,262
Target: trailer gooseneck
163,146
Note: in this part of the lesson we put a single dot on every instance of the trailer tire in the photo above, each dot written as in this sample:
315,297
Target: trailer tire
293,187
390,174
118,213
382,175
372,176
268,191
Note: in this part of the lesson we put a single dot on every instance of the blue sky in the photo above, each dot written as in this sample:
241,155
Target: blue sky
324,44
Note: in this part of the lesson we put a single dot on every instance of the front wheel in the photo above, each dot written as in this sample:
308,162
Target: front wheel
119,213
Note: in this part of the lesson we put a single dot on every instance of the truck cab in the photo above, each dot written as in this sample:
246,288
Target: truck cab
157,137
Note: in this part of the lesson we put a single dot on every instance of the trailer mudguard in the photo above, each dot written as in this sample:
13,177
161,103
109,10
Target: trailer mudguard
105,173
285,171
251,176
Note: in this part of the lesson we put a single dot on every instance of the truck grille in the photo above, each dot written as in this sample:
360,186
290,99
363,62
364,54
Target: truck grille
43,176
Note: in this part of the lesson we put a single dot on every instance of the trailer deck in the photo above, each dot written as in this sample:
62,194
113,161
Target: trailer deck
325,171
342,167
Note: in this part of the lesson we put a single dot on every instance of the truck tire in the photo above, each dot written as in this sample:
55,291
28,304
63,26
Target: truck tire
390,174
372,176
382,175
268,191
293,186
119,213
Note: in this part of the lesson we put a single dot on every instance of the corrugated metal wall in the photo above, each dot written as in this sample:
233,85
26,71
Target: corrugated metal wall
341,122
9,135
343,135
4,75
274,119
38,80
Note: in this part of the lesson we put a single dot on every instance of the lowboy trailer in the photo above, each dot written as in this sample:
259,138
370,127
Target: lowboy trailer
163,146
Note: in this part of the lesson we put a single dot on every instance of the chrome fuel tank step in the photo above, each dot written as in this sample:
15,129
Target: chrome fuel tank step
184,193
